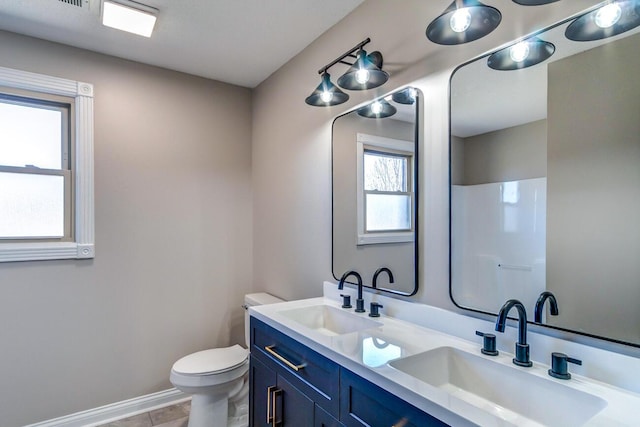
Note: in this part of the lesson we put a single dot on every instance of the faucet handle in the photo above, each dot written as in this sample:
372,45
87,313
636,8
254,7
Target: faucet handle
374,309
346,301
488,344
559,368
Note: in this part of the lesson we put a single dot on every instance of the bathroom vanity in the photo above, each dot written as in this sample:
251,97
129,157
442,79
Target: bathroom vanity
315,363
292,384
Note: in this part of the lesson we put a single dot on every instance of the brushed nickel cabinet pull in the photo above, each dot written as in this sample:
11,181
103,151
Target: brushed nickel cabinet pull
270,350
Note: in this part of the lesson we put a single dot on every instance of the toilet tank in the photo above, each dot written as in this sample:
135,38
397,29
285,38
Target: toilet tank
250,300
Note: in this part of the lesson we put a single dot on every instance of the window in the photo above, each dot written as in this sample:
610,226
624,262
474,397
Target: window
46,167
385,190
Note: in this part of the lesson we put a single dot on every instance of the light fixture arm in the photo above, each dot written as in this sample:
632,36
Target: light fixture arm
349,53
365,72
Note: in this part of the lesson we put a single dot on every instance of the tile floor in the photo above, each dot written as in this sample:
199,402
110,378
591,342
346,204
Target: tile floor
170,416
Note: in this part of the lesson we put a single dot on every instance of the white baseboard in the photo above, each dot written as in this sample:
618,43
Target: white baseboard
118,410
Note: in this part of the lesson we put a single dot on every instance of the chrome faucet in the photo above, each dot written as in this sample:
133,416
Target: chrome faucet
359,300
377,273
522,348
553,306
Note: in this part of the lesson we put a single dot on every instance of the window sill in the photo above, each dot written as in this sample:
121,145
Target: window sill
44,251
376,238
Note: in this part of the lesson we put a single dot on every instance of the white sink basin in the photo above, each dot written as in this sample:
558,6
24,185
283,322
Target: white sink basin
329,320
506,392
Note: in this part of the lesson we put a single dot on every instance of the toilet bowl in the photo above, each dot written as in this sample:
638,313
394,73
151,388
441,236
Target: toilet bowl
217,379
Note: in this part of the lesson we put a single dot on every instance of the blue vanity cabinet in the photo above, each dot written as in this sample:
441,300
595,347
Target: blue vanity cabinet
363,403
290,382
294,386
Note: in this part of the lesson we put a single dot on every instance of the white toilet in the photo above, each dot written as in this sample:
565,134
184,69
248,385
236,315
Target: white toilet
218,379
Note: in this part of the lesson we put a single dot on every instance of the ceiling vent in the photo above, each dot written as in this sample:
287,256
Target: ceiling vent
77,3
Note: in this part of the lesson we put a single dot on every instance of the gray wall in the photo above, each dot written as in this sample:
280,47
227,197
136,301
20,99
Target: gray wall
518,152
593,244
365,259
173,241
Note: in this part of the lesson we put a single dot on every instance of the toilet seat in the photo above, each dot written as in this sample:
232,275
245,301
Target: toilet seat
212,362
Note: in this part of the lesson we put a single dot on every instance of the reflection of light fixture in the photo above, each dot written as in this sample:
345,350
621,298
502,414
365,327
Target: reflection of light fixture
609,20
608,15
365,73
460,20
378,109
407,96
534,2
129,16
463,21
521,55
326,94
519,51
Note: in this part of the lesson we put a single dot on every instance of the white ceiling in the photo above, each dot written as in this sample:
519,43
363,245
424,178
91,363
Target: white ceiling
235,41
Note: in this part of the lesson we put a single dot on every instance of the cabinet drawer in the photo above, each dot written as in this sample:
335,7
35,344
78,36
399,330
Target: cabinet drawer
365,404
313,374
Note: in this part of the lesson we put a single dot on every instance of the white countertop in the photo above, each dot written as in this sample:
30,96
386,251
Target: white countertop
356,351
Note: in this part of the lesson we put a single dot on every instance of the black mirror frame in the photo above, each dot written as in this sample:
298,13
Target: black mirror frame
552,327
416,261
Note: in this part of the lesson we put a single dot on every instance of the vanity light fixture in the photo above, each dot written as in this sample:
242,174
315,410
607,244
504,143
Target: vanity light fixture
462,22
326,94
364,73
407,96
533,2
129,16
523,54
611,19
378,109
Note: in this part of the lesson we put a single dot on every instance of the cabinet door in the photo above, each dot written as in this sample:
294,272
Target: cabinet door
365,404
324,419
262,380
275,401
292,407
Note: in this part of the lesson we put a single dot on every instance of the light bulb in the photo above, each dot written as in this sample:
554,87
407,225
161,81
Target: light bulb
362,76
376,107
326,96
519,51
460,20
607,16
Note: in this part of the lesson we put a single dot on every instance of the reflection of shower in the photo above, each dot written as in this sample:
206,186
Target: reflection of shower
515,267
510,192
498,239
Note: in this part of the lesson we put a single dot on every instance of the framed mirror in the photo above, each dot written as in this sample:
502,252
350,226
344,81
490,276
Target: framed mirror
374,154
545,184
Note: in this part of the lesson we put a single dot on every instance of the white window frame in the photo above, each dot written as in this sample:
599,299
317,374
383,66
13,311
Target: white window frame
83,244
364,142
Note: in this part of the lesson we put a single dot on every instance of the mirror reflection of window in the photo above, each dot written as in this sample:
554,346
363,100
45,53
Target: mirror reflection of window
386,191
376,352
